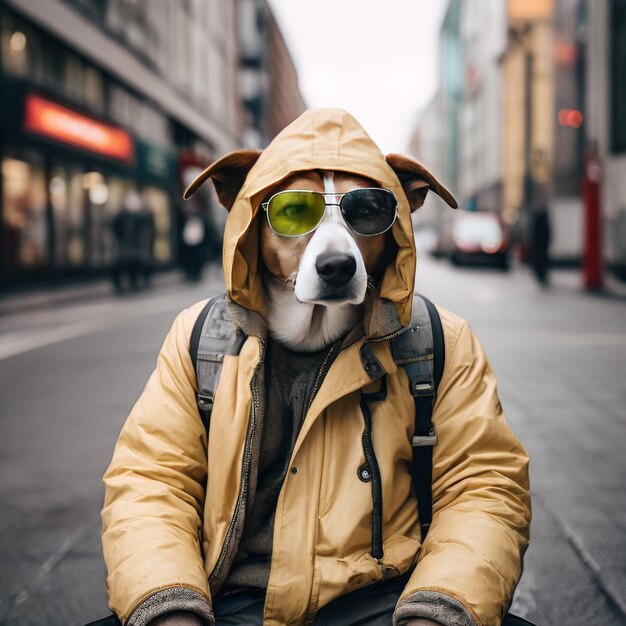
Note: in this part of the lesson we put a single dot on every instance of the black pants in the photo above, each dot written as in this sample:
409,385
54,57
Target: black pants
133,270
368,606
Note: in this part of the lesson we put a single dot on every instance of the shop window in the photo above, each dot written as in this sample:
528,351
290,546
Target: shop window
24,221
74,250
617,69
158,201
106,197
57,187
84,205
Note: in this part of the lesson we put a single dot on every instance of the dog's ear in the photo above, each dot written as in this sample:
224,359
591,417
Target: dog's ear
416,180
228,175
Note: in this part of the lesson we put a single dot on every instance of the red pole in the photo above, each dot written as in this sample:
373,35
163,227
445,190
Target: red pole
592,259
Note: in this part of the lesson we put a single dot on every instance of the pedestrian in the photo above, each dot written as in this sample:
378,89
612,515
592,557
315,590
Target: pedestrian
540,236
295,506
193,243
540,232
133,231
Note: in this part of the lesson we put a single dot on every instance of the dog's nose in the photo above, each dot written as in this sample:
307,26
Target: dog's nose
335,269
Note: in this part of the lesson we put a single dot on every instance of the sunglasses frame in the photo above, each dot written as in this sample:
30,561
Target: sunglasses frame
339,197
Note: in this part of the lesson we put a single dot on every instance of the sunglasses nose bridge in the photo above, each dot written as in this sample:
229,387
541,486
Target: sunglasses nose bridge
333,213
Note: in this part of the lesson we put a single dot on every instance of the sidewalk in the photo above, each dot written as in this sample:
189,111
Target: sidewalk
59,295
572,280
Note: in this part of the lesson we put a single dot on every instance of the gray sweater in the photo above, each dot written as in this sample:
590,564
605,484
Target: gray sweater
290,383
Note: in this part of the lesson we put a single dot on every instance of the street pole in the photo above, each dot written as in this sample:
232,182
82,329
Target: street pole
592,260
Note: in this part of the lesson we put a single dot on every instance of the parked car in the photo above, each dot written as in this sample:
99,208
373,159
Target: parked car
479,239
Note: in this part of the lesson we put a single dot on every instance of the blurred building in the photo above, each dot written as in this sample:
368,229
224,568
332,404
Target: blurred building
480,163
269,81
527,88
540,151
104,97
605,120
435,139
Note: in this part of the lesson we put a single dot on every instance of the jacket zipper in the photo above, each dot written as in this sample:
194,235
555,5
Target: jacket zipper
393,335
245,472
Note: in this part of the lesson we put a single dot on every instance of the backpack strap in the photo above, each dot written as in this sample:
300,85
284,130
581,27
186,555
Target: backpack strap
212,337
420,350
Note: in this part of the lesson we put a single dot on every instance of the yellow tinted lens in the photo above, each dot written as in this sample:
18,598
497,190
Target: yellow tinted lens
294,213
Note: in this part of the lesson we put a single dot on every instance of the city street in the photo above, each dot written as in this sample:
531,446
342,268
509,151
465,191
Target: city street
70,372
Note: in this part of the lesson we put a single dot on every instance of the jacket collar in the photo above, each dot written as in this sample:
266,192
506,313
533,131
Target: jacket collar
380,320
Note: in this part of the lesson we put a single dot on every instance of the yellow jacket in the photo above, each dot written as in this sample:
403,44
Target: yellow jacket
162,531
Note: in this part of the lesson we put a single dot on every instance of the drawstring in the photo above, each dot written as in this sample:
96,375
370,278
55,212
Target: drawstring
370,458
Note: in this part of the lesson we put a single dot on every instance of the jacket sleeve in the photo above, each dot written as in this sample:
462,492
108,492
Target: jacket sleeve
471,560
154,493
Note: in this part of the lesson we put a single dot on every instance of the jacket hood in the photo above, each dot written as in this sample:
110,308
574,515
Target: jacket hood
320,139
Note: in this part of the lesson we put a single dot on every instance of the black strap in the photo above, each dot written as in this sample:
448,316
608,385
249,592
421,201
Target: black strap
424,429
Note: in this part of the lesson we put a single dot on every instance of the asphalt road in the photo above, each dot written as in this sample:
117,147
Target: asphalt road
70,373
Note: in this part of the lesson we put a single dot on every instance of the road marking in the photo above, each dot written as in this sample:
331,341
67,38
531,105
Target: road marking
13,344
19,343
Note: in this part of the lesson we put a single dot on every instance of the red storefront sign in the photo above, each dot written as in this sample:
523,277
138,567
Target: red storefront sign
47,118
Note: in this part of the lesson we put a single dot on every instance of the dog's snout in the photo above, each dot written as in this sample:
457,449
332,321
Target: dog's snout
335,269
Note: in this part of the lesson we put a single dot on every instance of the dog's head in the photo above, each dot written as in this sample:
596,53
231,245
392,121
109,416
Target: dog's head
330,264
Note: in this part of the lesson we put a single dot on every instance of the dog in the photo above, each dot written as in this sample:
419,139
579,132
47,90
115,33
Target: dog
318,282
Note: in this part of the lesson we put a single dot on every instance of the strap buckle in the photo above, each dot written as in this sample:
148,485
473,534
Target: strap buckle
422,388
205,402
422,441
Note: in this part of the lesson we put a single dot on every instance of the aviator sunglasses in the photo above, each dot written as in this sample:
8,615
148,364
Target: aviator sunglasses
368,211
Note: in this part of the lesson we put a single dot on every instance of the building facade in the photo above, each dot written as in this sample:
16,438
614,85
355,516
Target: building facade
542,147
103,98
435,139
529,89
605,120
269,80
480,111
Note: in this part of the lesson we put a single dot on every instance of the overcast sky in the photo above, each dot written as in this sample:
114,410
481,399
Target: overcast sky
375,58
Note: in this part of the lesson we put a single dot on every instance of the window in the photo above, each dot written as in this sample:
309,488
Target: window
617,69
67,196
157,201
25,225
21,48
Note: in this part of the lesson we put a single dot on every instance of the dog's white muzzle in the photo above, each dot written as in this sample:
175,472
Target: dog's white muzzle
332,270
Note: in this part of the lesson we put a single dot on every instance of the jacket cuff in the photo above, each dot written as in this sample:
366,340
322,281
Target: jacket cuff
433,605
168,600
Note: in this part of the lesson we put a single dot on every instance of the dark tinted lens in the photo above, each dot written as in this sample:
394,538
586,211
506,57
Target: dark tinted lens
294,213
369,211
